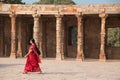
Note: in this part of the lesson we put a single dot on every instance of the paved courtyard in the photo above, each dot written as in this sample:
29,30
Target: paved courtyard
11,69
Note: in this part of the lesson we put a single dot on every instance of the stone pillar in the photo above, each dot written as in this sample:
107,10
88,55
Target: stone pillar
80,54
37,32
63,40
58,37
36,29
102,56
41,37
13,35
19,51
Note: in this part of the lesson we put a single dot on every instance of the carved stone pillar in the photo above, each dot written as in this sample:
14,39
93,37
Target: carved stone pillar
41,37
37,32
102,56
13,35
58,37
36,29
63,40
19,51
80,54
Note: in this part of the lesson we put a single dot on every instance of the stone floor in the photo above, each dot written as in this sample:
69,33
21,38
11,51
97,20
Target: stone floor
11,69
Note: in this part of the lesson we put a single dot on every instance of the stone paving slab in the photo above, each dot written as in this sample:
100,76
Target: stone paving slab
11,69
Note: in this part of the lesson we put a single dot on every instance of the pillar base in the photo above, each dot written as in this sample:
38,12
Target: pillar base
19,54
102,60
79,59
102,57
13,55
63,57
59,59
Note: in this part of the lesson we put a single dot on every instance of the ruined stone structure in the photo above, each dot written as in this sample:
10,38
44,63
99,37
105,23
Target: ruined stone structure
50,26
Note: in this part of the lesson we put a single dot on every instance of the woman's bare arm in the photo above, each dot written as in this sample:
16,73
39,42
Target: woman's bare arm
28,52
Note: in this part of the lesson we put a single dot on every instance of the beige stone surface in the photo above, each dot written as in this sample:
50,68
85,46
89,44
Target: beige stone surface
11,69
53,9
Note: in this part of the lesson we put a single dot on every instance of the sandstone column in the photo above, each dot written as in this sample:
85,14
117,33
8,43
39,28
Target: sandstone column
58,37
19,51
37,32
102,56
63,40
36,29
13,35
41,37
80,54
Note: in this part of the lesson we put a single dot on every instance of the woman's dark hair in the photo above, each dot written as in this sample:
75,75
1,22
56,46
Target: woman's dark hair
33,41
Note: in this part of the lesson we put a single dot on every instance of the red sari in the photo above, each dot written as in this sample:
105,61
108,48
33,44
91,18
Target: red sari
32,61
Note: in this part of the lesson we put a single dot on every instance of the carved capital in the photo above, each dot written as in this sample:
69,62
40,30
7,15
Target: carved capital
13,15
58,16
36,15
103,15
78,15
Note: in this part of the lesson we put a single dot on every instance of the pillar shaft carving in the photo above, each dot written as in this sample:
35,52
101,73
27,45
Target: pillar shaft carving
102,56
37,32
36,29
80,54
13,35
59,37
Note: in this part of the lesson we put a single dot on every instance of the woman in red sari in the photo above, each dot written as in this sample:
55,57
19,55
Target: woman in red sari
33,59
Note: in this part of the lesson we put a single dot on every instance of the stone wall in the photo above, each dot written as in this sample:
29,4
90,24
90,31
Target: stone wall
51,37
1,37
92,37
71,49
113,52
7,36
54,9
27,33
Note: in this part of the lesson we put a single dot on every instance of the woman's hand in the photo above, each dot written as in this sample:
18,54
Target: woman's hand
28,53
25,55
